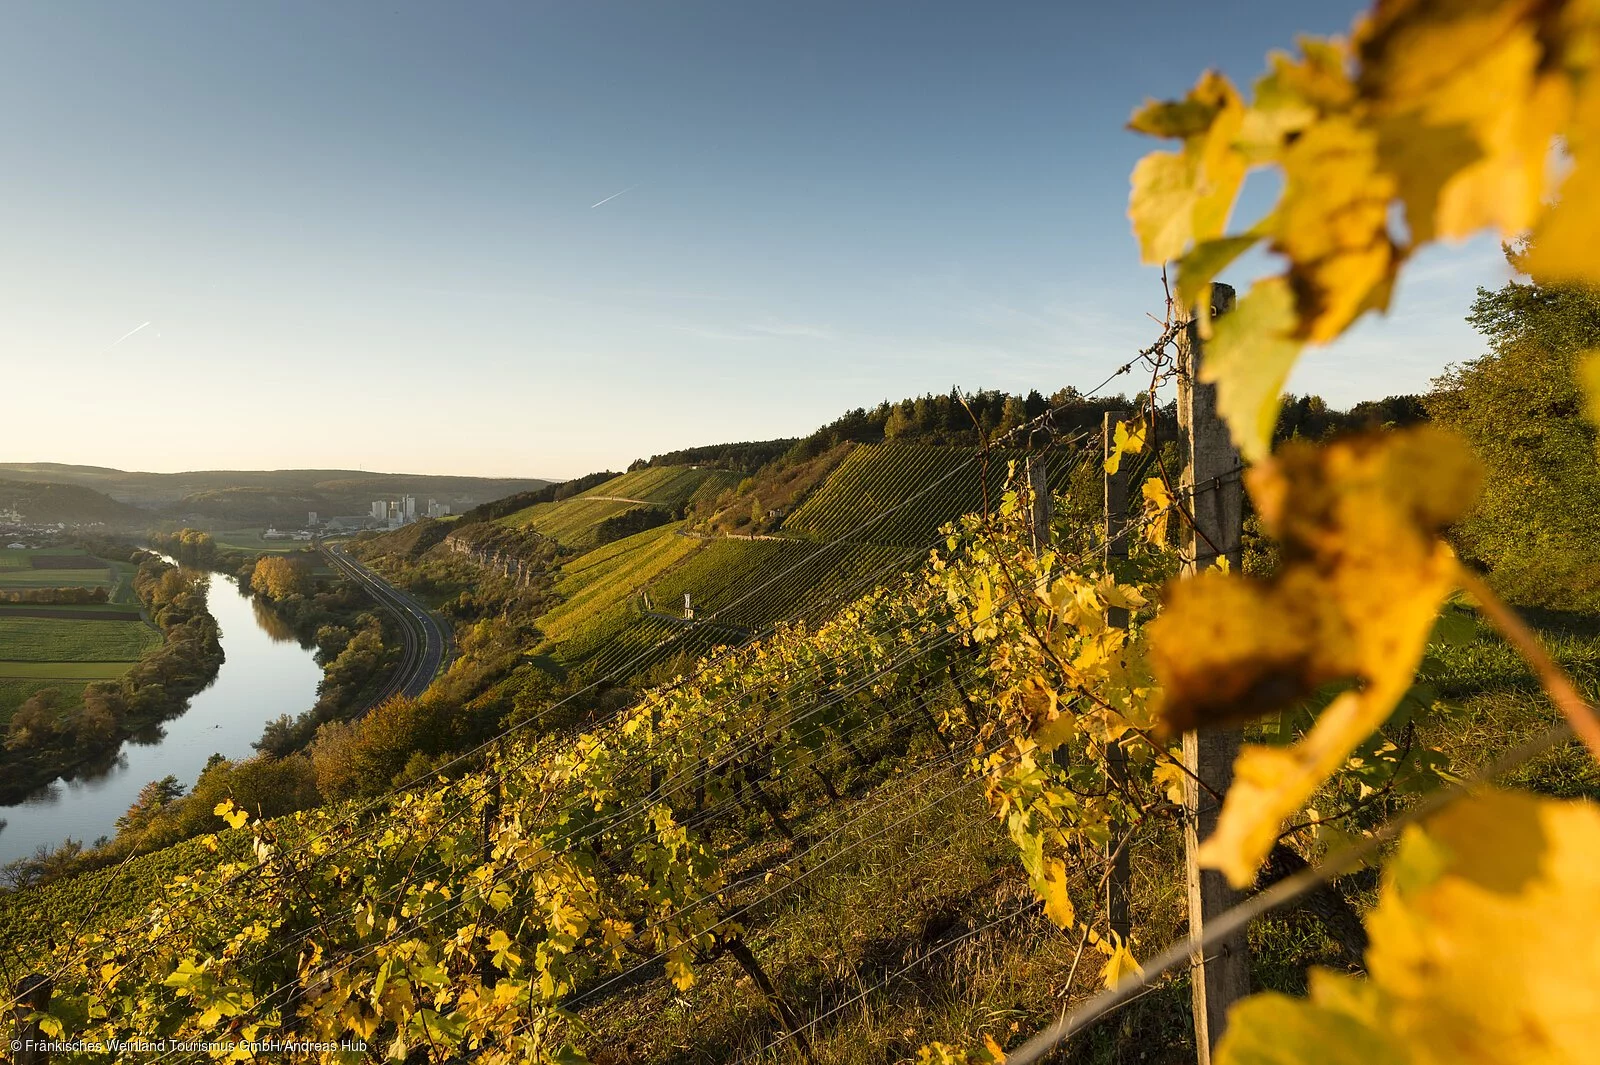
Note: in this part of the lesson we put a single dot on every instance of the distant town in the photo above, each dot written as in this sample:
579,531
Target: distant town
383,514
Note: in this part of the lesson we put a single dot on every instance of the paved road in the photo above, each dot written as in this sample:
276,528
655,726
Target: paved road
423,646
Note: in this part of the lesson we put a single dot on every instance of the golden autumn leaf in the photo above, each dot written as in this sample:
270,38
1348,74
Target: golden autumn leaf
1333,226
1052,888
1120,963
1566,245
1128,439
1480,951
1467,96
1186,196
1249,356
1362,576
1202,264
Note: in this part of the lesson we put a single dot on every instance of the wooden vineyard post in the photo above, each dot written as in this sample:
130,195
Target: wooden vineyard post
1039,514
1116,519
32,995
1213,495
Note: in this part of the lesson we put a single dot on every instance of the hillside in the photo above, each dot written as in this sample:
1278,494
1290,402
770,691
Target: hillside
41,502
264,496
768,831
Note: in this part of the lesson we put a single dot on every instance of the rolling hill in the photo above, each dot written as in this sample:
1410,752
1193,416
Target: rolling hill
264,496
42,502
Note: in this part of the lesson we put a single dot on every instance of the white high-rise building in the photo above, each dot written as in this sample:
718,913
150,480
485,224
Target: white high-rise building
380,509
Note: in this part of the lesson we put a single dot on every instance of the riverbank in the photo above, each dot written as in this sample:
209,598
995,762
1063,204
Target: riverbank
266,672
52,736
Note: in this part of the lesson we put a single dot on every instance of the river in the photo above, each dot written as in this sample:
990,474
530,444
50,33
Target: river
265,673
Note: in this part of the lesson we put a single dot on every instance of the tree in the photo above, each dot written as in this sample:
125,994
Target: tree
35,722
1520,407
277,577
153,798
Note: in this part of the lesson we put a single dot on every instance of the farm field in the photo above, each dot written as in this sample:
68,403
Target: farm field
14,691
67,645
66,670
250,540
56,639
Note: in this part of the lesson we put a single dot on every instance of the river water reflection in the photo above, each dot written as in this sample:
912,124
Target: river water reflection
265,673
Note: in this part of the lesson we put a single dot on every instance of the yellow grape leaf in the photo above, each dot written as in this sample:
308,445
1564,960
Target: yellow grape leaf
1361,581
1161,205
1052,888
1126,440
1467,103
1204,262
1119,964
944,1054
1333,224
226,810
1566,243
1477,957
1181,197
1157,507
1248,358
1275,1029
678,969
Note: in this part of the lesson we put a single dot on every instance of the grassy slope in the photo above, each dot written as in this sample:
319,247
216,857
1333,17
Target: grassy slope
875,497
665,486
607,580
574,522
918,926
900,494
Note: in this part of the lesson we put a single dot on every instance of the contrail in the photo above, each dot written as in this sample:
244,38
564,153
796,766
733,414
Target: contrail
611,197
129,333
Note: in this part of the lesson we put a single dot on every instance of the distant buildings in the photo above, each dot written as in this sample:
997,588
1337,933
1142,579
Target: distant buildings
393,513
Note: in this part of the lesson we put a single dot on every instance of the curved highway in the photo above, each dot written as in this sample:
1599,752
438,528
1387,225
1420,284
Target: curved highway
422,637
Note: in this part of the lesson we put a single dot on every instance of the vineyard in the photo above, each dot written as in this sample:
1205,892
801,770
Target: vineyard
986,774
901,495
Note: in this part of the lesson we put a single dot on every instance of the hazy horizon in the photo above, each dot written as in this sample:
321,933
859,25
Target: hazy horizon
538,242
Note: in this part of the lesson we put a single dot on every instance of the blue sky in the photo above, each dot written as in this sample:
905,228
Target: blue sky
362,234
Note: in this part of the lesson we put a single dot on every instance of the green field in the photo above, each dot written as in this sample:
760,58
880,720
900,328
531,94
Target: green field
250,540
572,523
55,578
55,645
24,639
14,691
52,671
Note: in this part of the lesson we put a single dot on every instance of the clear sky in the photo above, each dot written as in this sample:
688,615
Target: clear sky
362,235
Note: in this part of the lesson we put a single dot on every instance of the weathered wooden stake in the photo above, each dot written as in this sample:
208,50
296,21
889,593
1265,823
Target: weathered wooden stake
33,995
1116,504
1213,494
1039,514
